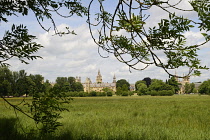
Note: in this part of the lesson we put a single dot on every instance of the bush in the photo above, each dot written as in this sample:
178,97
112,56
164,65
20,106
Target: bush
124,93
131,93
100,94
139,93
154,93
161,93
93,93
167,93
109,93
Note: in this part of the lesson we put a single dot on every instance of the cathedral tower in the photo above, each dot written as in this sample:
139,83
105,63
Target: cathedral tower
99,78
114,79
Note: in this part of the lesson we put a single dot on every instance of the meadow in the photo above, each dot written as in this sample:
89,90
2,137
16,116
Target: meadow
178,117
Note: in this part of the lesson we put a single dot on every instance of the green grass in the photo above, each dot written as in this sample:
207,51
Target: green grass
184,117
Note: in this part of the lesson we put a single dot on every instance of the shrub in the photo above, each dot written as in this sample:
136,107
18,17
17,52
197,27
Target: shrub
139,93
161,93
100,94
124,93
154,93
131,93
109,93
93,93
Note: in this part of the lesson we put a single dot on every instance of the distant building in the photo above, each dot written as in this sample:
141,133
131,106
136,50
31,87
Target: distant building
182,83
185,79
132,87
99,85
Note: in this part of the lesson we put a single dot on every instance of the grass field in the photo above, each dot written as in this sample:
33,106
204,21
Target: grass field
184,117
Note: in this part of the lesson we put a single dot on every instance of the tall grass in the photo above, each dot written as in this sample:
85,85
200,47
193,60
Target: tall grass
145,117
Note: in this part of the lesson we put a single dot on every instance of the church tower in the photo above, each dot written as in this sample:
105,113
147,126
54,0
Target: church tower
114,79
87,85
99,78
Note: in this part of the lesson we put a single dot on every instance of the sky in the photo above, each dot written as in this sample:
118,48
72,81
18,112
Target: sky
77,55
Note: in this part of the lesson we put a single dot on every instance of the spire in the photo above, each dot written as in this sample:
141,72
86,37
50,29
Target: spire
114,79
99,74
99,77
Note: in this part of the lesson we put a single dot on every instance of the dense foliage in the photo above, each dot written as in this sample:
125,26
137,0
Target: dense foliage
204,88
18,83
173,82
66,84
189,88
123,87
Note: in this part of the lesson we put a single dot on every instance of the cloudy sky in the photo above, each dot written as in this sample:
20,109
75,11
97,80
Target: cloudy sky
77,55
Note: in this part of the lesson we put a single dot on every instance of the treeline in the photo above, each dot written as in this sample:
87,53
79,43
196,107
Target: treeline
19,83
156,87
147,86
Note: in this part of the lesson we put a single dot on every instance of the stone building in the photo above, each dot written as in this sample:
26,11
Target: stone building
182,84
99,85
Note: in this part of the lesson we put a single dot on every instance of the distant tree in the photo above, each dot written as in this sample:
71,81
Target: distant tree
204,88
25,85
138,82
5,81
71,80
148,81
47,86
195,90
123,84
66,84
159,85
5,88
108,91
173,82
77,86
119,91
61,81
39,82
192,87
142,88
125,87
189,87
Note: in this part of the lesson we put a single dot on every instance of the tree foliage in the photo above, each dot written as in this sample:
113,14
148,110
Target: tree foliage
204,88
159,85
189,87
148,81
124,31
142,88
139,82
173,82
123,84
67,84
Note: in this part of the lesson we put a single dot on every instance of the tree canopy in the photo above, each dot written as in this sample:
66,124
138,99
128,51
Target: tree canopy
204,88
124,31
123,85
